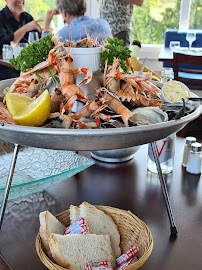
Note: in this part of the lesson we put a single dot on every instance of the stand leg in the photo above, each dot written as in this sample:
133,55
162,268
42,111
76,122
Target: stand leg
164,190
8,184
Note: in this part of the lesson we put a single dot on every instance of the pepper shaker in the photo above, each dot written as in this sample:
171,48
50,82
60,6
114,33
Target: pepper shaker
187,148
194,159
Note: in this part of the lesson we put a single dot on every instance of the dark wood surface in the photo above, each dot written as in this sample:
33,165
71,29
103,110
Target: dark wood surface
6,63
3,264
7,71
127,186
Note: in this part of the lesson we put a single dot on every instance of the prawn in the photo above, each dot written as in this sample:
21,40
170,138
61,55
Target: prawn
116,105
135,88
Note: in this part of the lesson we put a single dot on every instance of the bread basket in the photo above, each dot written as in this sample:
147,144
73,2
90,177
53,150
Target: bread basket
133,232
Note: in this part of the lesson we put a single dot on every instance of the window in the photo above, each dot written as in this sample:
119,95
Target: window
195,20
150,21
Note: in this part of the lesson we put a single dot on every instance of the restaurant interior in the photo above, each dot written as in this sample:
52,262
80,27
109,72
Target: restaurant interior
70,187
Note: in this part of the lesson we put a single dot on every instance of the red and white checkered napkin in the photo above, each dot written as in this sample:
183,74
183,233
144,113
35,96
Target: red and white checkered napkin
78,227
128,263
127,258
107,265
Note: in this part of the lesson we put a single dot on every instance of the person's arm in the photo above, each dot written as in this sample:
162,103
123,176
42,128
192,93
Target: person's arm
133,2
48,19
33,25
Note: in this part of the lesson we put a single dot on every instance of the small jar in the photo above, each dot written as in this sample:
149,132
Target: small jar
7,52
166,74
4,52
194,159
187,148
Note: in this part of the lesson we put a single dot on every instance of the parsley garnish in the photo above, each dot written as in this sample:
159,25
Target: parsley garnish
33,54
116,49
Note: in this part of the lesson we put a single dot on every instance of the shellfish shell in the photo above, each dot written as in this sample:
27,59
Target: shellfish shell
150,115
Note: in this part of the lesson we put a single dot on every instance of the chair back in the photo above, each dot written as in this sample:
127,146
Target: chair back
182,72
176,35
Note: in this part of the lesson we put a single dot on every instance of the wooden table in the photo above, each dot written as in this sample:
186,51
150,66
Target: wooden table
6,63
7,70
127,186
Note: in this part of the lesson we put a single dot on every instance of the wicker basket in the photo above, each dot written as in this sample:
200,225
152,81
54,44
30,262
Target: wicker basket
133,232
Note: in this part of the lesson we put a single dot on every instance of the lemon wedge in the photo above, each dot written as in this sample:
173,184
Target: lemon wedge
27,111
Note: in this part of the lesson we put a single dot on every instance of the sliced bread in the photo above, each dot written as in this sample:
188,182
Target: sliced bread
100,223
73,251
74,213
49,224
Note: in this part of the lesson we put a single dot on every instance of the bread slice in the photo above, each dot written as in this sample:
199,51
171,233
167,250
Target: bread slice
74,213
73,251
49,224
100,223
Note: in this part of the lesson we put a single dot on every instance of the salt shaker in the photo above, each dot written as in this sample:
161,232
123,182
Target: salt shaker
194,159
187,148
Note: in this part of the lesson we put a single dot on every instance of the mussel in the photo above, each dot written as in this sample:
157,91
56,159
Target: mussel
177,110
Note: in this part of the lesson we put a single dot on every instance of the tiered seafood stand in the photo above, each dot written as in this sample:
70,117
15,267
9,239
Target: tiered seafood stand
89,140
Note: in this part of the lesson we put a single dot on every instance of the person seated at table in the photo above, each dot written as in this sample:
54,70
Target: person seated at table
78,25
15,23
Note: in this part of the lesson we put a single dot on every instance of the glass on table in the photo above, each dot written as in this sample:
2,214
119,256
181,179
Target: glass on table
23,44
190,37
33,36
18,47
7,52
166,74
166,150
174,45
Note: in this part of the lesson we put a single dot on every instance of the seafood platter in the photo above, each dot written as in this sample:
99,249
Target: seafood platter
120,108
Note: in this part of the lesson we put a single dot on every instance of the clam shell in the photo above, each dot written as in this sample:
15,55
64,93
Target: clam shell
150,115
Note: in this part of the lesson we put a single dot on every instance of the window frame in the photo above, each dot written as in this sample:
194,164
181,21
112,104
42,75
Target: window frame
184,15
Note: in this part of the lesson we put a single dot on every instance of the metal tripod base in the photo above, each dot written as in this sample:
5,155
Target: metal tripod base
164,190
8,183
160,174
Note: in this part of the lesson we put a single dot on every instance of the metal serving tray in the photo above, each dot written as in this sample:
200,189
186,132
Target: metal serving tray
91,139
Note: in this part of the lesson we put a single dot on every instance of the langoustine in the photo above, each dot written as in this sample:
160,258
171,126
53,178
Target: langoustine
105,99
134,88
32,82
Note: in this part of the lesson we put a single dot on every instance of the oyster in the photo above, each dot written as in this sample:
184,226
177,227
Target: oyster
149,115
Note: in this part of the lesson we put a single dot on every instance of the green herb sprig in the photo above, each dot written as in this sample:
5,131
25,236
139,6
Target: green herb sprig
33,54
115,48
